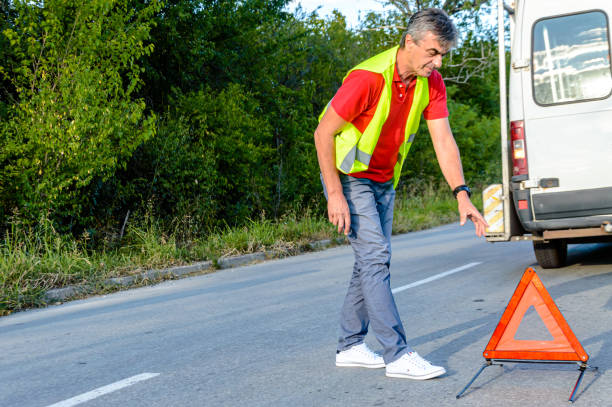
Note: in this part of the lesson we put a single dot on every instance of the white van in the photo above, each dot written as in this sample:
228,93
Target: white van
557,162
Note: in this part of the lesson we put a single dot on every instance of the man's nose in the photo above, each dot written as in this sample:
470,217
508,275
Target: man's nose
437,61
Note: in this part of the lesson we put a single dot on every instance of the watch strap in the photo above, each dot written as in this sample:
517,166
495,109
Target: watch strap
460,188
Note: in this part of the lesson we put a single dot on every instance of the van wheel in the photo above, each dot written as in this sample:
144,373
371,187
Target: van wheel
552,254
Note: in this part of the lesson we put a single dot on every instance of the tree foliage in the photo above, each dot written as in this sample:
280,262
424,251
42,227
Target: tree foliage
71,118
198,111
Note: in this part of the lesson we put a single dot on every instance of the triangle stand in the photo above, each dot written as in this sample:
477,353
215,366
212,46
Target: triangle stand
564,348
491,362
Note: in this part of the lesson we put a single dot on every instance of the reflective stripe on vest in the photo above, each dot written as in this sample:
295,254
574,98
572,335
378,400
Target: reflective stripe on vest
353,148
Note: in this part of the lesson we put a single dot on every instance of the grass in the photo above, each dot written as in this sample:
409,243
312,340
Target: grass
423,209
36,259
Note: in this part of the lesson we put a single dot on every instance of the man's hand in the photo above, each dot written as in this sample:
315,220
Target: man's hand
467,210
338,212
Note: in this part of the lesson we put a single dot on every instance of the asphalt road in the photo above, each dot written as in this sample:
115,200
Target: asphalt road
265,335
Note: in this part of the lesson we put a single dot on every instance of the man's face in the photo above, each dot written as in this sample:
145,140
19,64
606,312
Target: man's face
422,56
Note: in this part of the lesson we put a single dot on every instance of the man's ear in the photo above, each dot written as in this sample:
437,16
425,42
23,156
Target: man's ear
408,41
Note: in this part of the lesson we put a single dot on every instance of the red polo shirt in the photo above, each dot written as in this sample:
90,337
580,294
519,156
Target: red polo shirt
356,102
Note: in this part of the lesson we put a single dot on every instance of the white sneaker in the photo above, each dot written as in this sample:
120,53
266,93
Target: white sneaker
359,356
413,366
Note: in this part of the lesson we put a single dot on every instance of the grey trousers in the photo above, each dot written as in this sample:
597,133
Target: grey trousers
369,300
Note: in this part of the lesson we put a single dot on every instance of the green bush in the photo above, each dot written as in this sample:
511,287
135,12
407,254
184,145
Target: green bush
73,120
209,161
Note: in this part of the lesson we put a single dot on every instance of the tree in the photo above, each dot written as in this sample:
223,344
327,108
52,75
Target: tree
409,7
209,80
208,44
74,69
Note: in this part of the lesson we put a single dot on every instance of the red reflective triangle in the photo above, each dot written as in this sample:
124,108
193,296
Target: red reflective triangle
531,292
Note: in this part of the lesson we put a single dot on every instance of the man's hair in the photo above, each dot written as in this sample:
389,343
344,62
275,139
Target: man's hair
434,20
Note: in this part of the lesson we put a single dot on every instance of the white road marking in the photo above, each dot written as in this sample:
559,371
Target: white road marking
435,277
100,391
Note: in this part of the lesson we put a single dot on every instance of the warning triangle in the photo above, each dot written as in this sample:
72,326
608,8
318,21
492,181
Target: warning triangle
503,344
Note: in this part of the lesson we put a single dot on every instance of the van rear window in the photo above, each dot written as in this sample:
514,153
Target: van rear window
571,58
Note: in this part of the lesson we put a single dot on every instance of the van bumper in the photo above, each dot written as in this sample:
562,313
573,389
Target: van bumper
563,210
572,204
567,223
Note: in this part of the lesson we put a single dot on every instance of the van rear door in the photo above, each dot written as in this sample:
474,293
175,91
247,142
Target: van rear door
568,109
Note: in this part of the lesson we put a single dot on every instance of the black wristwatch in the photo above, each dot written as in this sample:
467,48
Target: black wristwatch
462,188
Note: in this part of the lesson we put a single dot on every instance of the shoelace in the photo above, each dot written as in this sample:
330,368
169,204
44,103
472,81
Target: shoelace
367,352
417,360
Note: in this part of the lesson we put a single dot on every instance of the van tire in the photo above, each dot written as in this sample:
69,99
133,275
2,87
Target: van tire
551,254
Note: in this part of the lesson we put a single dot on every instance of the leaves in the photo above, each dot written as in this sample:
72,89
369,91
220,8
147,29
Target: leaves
198,110
74,119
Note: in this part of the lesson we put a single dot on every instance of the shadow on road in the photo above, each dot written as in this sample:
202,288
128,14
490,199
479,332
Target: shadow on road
590,254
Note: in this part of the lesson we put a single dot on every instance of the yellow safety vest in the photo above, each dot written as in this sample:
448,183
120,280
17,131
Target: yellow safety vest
353,148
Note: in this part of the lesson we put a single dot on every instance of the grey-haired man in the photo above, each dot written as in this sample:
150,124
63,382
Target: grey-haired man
377,109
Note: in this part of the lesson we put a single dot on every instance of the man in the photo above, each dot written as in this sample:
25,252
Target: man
362,140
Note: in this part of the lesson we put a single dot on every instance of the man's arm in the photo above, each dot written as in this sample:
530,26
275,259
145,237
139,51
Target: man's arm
449,160
337,208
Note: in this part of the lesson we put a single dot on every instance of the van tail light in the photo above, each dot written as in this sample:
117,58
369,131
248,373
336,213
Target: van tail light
519,150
